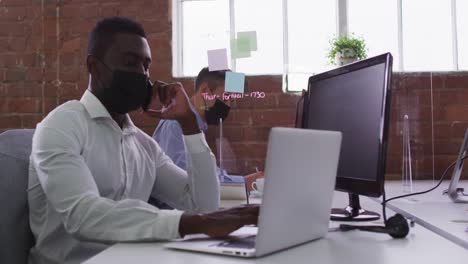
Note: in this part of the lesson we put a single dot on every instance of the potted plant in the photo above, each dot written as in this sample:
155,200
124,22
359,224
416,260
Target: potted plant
346,49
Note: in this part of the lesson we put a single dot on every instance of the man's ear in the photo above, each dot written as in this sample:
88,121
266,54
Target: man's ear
204,88
90,63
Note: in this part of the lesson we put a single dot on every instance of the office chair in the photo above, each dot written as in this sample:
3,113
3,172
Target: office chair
16,238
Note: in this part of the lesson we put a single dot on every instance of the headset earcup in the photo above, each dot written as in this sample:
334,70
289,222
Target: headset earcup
397,226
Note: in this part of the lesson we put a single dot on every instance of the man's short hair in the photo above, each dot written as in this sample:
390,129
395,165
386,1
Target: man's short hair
103,33
213,78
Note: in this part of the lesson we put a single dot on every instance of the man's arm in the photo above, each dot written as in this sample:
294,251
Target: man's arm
194,190
199,190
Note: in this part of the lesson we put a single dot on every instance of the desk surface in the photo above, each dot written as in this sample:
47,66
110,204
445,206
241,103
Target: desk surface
433,210
421,246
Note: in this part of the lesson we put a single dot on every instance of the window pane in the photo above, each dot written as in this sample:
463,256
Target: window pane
265,17
298,81
427,35
462,28
205,27
379,28
311,24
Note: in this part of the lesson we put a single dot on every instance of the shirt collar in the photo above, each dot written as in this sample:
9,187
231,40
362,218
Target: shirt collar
96,110
94,107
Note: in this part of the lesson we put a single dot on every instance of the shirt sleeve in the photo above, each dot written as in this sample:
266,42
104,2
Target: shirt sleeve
170,138
195,190
71,190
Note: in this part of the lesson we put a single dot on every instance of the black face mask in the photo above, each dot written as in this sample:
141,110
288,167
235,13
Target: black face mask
217,111
127,91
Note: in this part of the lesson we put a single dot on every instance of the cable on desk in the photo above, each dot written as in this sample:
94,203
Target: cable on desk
384,202
384,212
396,226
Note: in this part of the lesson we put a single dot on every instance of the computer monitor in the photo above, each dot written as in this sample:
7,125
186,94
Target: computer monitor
354,99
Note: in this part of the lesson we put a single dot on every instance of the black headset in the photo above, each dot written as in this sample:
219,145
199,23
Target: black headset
396,226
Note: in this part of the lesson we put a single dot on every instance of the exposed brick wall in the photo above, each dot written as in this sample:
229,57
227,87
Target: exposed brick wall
435,131
42,64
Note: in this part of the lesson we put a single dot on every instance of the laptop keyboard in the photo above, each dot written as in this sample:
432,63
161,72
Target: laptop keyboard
239,242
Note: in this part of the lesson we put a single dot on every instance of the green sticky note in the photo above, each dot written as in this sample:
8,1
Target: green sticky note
250,37
243,44
238,52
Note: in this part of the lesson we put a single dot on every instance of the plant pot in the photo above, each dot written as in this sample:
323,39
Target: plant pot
345,57
340,61
344,61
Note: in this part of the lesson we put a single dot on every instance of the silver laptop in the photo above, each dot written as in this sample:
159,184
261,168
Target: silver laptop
300,174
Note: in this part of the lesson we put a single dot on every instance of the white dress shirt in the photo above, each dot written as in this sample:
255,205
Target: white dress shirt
89,181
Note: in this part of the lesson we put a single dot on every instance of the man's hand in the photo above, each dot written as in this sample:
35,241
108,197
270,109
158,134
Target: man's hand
220,223
249,179
176,106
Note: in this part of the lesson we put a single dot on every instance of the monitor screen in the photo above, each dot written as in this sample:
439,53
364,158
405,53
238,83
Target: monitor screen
354,100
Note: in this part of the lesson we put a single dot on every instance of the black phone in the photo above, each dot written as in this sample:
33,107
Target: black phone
150,90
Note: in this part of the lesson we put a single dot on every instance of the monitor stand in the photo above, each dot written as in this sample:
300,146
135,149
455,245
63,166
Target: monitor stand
456,194
353,212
